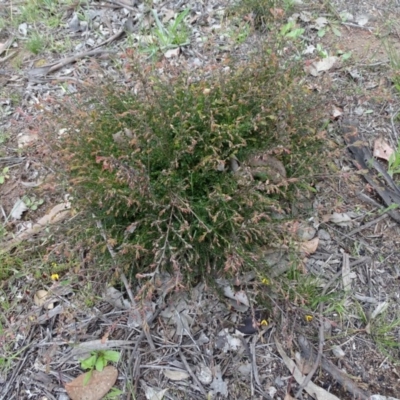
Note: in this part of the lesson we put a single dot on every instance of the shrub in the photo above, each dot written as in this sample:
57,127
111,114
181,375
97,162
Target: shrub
154,165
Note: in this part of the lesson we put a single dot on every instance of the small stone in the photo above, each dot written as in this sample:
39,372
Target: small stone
324,235
279,381
338,351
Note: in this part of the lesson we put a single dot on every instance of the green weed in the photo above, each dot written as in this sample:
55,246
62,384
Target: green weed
35,43
4,175
169,36
32,202
384,331
174,34
98,361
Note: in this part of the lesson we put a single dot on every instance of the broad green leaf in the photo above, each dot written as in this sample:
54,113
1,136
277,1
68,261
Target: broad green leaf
100,364
180,18
89,363
336,31
295,33
112,356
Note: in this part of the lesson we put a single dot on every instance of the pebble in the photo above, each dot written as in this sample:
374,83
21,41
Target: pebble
324,235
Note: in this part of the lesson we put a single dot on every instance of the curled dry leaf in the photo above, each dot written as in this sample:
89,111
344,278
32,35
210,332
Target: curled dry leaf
175,375
304,365
172,53
40,298
336,112
309,247
152,393
341,219
314,67
94,387
239,296
382,149
116,298
338,351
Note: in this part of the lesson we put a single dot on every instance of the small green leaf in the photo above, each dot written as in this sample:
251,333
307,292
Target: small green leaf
87,377
336,31
100,364
180,18
2,179
287,28
89,363
346,56
321,33
295,33
112,356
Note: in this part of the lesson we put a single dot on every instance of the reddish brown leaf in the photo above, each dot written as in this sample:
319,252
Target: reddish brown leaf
99,384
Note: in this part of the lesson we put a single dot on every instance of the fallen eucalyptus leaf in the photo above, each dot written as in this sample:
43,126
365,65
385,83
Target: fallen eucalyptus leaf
382,149
94,387
176,375
341,219
152,393
239,296
309,247
116,298
380,308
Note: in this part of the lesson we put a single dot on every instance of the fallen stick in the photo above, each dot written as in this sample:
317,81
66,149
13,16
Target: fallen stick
46,69
308,352
311,388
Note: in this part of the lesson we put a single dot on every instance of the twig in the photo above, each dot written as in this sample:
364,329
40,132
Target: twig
334,371
367,225
25,352
366,28
113,255
253,360
139,340
189,370
46,69
312,389
8,56
320,337
396,136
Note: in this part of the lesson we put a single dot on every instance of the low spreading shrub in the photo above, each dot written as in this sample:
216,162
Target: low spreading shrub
156,165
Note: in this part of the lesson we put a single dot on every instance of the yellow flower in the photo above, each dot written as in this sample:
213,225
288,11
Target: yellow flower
265,281
264,322
54,277
308,318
